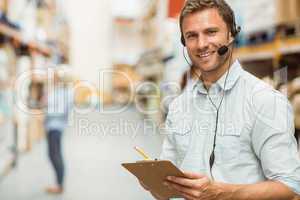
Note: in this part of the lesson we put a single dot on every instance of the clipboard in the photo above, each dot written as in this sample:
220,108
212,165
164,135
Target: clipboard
153,174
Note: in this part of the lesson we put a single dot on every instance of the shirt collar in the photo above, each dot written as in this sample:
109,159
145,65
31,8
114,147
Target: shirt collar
233,75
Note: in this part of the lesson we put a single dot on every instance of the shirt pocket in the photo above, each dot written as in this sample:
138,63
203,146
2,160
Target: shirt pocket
228,148
182,130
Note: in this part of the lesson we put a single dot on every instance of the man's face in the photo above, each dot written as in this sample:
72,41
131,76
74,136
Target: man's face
204,32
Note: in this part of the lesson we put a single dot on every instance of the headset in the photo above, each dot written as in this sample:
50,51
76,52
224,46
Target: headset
235,30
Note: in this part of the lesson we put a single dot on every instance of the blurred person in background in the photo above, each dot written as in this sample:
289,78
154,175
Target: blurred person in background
59,102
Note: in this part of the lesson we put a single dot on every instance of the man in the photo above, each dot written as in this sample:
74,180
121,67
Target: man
230,133
59,103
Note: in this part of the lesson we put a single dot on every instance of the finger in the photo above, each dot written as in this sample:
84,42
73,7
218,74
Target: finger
192,183
192,193
192,175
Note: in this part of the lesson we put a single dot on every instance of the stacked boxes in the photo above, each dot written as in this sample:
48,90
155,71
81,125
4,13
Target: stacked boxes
288,11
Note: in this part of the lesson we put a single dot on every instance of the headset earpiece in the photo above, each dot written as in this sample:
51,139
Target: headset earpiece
238,30
182,40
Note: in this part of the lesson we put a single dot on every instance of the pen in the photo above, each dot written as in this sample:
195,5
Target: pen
142,153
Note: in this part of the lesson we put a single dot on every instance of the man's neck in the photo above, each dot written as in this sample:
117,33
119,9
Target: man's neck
212,77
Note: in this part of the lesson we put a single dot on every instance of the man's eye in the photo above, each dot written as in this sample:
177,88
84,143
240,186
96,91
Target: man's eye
191,36
212,32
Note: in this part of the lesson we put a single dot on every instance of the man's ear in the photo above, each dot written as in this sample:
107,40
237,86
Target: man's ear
231,38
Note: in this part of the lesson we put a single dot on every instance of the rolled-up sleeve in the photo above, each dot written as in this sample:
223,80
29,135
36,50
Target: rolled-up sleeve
273,139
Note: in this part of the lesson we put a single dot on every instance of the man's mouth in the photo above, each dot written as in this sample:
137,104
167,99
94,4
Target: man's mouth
204,55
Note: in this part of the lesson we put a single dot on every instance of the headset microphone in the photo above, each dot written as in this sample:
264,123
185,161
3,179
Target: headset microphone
224,49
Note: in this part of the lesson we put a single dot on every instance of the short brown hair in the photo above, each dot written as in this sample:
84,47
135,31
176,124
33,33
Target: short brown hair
225,11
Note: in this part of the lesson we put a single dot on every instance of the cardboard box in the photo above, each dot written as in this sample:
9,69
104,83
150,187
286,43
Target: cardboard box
125,77
294,10
84,95
36,130
283,11
288,11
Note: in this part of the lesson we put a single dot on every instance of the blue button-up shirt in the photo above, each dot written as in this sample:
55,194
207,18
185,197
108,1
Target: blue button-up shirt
255,135
60,101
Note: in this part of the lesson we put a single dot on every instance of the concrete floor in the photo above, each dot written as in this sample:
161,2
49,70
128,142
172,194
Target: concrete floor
94,147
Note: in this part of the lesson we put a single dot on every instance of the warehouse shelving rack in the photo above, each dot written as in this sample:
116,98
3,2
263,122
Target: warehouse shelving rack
271,56
14,43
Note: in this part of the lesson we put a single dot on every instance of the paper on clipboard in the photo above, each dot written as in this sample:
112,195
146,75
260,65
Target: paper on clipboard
153,174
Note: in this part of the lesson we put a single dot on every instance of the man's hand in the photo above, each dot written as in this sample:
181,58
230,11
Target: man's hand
153,194
198,187
194,186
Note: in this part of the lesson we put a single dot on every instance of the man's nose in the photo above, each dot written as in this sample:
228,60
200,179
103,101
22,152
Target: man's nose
202,43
